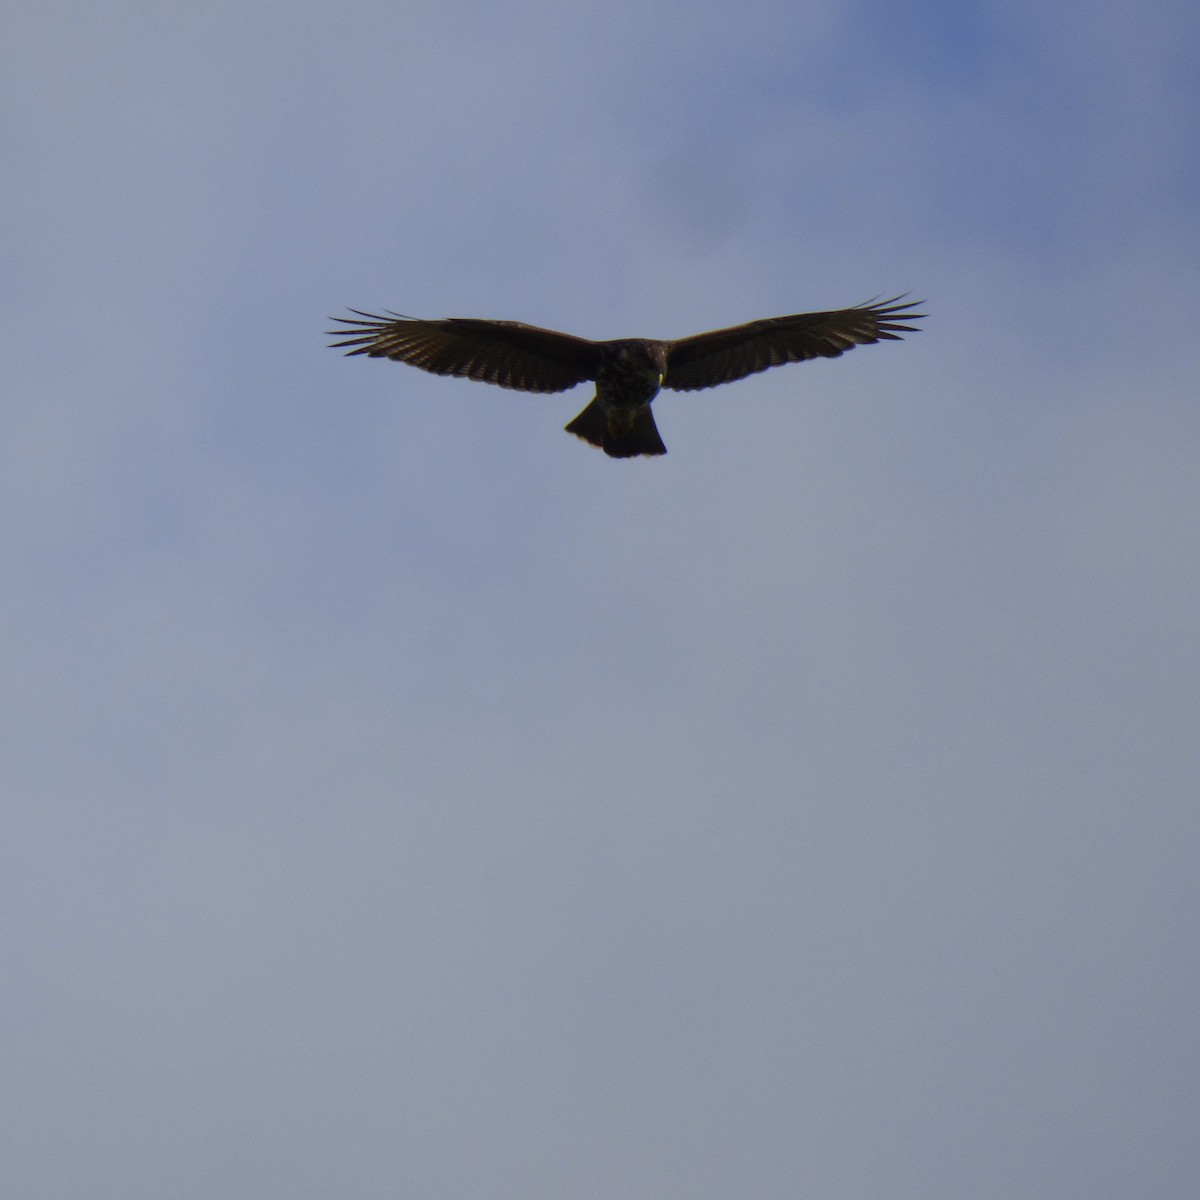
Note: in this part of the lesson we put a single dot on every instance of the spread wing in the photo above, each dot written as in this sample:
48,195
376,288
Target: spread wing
508,353
727,354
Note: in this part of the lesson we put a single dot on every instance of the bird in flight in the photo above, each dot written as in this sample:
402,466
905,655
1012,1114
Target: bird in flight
628,373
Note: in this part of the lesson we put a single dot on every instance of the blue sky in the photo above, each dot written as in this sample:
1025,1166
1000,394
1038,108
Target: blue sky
404,799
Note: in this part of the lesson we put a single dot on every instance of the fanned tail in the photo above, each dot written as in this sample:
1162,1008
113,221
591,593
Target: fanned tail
641,437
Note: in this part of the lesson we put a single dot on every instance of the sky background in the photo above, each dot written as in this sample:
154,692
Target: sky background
403,799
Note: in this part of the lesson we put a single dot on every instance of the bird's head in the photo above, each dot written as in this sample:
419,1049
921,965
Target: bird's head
645,358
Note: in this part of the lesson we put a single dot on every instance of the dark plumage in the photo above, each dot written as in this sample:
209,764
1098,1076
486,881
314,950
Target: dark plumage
629,372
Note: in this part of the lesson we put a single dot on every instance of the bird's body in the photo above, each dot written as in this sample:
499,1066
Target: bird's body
629,372
619,419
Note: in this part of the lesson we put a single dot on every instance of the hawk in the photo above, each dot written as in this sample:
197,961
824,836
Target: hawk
628,373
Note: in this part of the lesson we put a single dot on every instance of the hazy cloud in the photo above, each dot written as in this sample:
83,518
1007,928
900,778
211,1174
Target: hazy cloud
404,799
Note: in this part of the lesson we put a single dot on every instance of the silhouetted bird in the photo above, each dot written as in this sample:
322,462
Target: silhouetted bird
628,372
